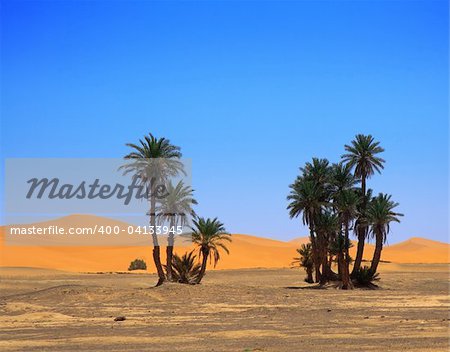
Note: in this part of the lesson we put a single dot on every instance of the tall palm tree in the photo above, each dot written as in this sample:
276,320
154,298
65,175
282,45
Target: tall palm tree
154,161
319,171
175,209
362,155
209,235
307,198
346,204
305,260
380,213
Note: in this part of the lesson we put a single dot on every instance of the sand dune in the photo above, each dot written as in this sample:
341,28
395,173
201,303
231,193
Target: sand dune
418,250
245,251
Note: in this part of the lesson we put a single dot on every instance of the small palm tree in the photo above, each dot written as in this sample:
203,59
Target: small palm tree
153,161
185,270
175,209
305,260
380,213
365,278
209,235
362,155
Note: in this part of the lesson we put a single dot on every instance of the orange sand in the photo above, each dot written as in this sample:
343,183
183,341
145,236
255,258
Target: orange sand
245,252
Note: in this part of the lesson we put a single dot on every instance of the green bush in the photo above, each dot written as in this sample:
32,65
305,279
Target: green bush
137,264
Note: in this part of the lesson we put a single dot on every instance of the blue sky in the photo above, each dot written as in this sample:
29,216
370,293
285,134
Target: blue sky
249,90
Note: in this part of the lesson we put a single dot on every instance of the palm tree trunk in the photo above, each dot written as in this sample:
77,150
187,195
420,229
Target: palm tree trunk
341,264
346,282
377,253
315,254
360,250
362,233
326,269
169,251
333,276
205,254
309,276
169,257
156,248
339,267
159,268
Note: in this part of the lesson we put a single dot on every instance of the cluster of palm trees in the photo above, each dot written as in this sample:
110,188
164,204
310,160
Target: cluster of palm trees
333,200
155,161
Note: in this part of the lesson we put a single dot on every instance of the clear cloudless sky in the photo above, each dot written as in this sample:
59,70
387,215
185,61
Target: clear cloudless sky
249,90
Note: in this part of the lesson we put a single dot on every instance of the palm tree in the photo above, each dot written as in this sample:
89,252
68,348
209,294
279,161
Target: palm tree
209,235
362,156
327,226
175,209
346,204
308,199
380,213
153,161
185,269
305,260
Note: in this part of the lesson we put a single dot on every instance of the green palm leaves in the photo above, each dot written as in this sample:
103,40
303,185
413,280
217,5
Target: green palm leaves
380,213
185,269
154,159
305,260
210,237
362,155
346,204
152,148
177,205
307,198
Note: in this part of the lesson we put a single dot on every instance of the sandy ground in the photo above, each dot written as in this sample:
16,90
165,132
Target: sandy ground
233,310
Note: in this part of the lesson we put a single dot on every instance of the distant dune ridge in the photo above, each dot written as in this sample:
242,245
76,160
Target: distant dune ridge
245,251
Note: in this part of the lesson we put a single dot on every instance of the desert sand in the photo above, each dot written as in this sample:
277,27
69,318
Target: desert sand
252,302
232,310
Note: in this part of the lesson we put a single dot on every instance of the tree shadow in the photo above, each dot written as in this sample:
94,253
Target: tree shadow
314,287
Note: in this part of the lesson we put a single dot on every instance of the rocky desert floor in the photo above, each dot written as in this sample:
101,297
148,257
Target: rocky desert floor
232,310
